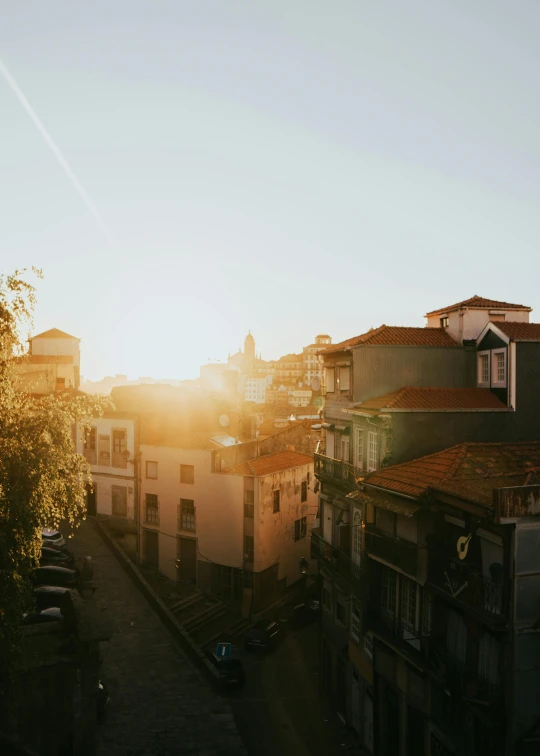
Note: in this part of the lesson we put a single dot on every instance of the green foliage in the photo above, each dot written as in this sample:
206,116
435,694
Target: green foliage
42,477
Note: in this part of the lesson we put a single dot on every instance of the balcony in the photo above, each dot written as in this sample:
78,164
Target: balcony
337,471
338,563
467,586
395,633
393,551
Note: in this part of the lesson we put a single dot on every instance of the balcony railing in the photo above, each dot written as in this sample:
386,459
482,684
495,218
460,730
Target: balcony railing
337,562
463,679
392,628
392,550
469,587
337,471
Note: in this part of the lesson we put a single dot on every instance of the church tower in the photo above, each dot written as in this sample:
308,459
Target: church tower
249,346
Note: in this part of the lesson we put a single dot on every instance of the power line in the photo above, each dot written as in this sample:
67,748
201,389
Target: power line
81,191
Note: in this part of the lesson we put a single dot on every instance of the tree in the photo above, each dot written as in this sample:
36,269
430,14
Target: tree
42,477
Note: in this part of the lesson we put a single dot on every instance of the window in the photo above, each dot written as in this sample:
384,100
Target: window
499,368
303,491
186,515
119,501
249,548
90,439
152,509
329,380
388,597
488,659
344,379
408,603
355,621
249,504
300,528
344,448
373,456
120,455
483,368
444,322
276,501
341,609
356,543
187,474
359,448
151,470
60,384
326,599
456,635
368,645
426,619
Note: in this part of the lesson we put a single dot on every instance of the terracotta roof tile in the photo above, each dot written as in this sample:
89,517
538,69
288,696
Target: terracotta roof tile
482,303
397,336
520,331
271,463
468,470
54,333
411,397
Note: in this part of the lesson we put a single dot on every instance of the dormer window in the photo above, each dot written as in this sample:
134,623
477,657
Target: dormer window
499,368
483,369
444,322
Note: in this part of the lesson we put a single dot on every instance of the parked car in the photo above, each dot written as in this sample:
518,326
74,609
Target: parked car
306,613
47,615
52,575
56,556
47,596
230,669
264,635
52,537
103,699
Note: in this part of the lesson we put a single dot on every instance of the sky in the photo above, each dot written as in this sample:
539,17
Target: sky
288,167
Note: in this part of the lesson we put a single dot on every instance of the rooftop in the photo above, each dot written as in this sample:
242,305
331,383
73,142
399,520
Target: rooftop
54,333
480,303
397,336
271,463
470,471
520,331
427,398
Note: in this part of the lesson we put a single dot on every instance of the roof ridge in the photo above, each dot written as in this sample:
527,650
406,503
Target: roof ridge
397,395
457,462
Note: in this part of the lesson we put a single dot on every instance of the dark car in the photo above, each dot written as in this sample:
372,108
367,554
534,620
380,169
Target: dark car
56,556
230,669
264,635
52,537
306,613
47,615
48,596
53,575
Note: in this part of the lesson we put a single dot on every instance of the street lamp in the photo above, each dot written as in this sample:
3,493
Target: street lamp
303,566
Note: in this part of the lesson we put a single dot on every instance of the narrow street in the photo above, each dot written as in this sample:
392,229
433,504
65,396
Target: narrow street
279,710
160,704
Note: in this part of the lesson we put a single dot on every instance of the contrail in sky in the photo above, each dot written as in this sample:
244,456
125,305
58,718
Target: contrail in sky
56,152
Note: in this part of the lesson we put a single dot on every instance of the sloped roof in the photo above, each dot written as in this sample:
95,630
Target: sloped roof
412,397
397,336
469,470
54,333
520,331
481,303
271,463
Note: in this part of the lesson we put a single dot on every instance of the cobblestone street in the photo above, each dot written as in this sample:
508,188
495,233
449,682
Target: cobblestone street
160,704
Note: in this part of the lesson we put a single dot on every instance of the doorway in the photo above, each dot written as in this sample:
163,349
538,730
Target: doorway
187,554
91,507
151,548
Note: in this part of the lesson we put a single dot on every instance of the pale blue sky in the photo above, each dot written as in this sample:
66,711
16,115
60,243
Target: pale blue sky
284,166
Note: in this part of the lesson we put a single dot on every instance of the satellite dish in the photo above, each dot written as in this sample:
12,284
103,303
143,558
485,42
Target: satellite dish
316,384
463,545
224,421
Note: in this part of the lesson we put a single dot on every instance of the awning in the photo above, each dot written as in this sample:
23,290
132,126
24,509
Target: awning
328,426
343,428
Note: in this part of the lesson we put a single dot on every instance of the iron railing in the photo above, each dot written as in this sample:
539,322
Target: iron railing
391,550
470,587
337,471
338,562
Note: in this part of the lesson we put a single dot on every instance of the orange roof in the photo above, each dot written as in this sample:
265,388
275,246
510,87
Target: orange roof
468,470
520,331
53,333
397,336
271,463
411,397
482,303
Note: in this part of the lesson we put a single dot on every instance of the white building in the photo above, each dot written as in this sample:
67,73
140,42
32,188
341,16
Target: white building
312,366
254,389
466,320
53,363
